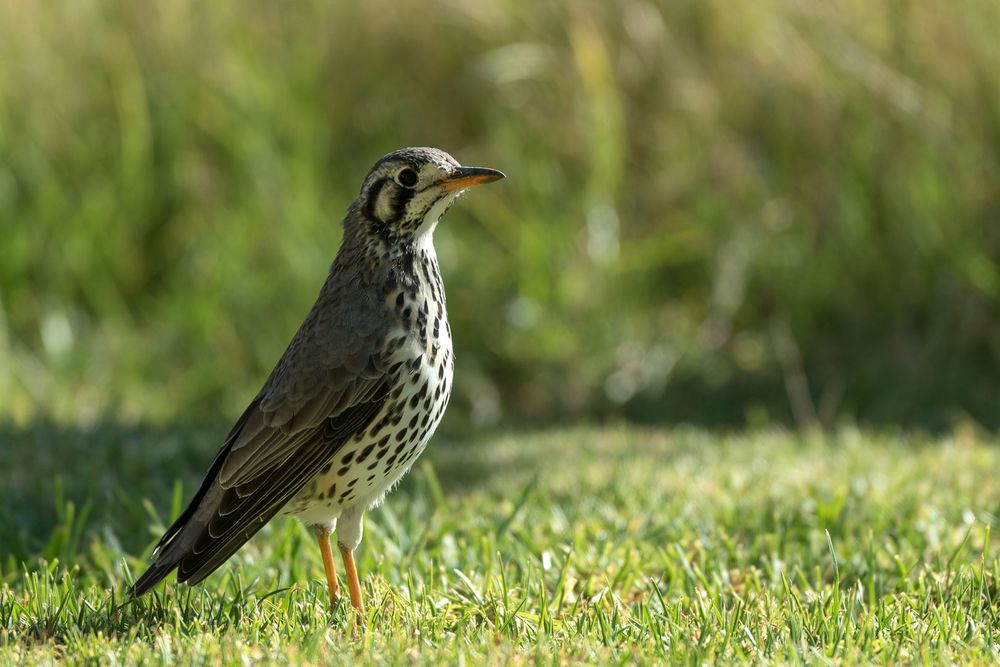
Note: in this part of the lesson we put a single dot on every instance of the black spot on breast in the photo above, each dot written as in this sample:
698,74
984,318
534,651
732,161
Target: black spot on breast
347,457
365,452
343,471
400,434
399,300
332,490
326,469
352,482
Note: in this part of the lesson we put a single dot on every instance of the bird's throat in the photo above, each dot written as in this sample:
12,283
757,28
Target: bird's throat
423,236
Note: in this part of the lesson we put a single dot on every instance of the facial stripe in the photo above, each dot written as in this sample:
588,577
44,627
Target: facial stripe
373,196
400,201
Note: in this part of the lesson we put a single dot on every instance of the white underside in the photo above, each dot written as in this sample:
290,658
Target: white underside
346,519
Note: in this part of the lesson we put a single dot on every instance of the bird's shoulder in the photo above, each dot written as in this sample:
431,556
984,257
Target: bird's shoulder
338,346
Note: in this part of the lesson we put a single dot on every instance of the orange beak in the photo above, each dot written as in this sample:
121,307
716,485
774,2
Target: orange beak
467,177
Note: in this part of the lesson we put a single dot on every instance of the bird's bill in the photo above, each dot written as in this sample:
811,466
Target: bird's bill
467,177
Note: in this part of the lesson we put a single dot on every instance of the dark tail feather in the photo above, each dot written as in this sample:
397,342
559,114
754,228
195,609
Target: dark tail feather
156,573
167,555
168,559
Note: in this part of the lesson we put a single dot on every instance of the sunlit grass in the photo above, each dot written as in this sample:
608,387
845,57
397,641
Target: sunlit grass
581,545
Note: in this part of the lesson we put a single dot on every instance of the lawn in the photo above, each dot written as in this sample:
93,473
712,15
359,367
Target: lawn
582,545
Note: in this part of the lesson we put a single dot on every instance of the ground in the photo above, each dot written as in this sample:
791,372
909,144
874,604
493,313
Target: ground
607,545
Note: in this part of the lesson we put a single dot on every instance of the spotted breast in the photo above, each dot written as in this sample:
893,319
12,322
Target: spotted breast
418,352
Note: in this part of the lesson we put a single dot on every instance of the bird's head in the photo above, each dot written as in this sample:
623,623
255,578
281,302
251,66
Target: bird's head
408,190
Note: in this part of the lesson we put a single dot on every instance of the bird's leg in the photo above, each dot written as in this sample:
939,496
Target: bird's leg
323,537
353,585
350,528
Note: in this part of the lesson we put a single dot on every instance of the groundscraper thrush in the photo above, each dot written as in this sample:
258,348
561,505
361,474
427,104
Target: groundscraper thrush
355,397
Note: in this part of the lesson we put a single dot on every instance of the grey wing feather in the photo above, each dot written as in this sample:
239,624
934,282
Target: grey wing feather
330,384
333,362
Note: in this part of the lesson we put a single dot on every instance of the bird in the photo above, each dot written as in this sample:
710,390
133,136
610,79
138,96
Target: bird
355,397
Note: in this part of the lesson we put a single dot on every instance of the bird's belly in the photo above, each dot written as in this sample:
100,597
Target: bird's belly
368,465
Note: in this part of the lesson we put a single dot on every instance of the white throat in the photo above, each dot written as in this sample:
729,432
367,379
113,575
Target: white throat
424,235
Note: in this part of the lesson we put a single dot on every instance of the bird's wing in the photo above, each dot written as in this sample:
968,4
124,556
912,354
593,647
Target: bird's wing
328,387
240,507
331,373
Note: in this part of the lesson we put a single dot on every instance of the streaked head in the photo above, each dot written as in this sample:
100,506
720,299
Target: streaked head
408,190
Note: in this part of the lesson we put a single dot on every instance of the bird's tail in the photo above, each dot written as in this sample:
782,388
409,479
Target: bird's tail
156,573
169,551
174,544
177,541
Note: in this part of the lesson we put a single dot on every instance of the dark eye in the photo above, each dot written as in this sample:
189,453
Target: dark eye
407,178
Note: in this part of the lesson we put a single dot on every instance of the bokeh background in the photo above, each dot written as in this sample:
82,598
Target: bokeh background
718,212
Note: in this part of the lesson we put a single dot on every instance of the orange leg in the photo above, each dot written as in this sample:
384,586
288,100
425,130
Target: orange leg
353,585
323,536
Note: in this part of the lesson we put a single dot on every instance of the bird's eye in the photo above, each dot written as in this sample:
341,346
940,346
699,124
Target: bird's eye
407,178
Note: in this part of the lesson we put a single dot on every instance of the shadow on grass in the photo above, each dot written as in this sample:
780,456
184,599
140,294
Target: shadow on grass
59,484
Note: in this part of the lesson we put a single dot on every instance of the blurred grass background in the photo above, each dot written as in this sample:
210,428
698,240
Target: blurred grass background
722,212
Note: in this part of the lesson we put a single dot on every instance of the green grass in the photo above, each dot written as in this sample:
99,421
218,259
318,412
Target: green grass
585,545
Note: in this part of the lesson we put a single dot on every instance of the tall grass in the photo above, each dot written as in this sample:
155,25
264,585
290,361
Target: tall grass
715,210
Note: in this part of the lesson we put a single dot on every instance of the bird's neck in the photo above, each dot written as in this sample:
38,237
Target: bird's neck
409,259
